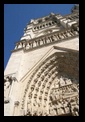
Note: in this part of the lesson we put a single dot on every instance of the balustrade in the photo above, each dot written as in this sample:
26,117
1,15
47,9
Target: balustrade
48,39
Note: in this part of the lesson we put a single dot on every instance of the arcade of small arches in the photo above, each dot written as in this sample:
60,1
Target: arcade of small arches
51,23
44,25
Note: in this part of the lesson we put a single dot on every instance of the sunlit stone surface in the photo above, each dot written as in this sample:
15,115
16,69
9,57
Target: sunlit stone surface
42,74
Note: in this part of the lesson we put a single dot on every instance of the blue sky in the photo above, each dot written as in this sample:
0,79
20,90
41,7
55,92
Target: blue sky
16,17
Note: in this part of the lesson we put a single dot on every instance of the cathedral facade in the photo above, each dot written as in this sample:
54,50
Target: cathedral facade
42,74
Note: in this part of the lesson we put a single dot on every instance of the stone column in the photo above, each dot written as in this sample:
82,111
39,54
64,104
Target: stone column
16,105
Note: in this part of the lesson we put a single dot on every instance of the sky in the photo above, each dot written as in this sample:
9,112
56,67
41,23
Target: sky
16,17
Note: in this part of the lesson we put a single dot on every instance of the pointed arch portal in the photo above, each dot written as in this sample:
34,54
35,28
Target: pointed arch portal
53,88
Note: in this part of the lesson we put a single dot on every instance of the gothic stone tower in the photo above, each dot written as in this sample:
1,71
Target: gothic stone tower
41,77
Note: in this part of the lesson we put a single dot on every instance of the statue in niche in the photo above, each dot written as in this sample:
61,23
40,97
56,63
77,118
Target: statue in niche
42,77
44,111
8,82
60,108
63,90
56,85
29,111
53,96
68,34
38,75
35,113
54,38
52,92
48,40
39,112
46,72
75,32
66,106
49,75
39,83
75,110
59,35
35,109
57,95
29,104
74,107
53,112
7,87
50,108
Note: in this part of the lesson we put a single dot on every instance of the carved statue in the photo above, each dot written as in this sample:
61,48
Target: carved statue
49,75
68,81
57,95
7,87
66,106
59,110
69,89
46,72
59,35
28,113
52,112
54,38
75,110
68,34
52,97
60,107
48,40
56,85
29,108
62,82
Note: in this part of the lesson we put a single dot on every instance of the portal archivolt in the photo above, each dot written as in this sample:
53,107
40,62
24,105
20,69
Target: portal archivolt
53,88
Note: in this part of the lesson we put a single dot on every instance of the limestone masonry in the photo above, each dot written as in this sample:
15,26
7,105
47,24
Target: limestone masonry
42,74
